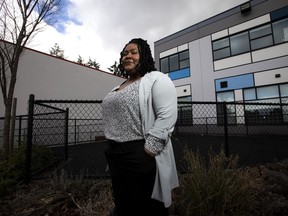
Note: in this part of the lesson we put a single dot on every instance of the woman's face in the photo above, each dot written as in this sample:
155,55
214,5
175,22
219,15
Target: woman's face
130,59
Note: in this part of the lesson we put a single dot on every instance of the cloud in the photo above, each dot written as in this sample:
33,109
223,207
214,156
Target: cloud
100,28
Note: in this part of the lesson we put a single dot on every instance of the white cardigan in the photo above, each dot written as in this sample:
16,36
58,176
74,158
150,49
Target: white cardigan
158,107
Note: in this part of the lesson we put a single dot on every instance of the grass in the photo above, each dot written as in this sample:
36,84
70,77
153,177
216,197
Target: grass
210,186
12,171
213,187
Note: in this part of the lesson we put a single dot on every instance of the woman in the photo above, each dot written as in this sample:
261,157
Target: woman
138,118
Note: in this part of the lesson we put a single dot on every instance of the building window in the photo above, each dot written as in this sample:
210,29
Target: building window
230,113
284,90
284,101
256,38
280,31
184,60
230,108
263,114
173,62
164,64
176,63
185,114
225,96
224,84
250,94
268,114
267,92
261,37
239,43
221,48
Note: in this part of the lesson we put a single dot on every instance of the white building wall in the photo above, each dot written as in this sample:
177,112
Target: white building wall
201,70
183,91
195,71
271,52
48,77
271,77
250,24
233,61
208,74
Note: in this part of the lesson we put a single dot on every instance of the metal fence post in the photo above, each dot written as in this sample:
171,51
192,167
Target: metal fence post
226,144
66,132
75,131
19,130
29,139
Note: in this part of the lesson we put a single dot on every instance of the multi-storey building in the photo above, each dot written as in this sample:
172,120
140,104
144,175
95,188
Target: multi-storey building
239,55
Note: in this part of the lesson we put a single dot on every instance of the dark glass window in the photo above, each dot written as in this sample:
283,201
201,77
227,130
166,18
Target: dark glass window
185,114
261,37
184,55
262,42
221,48
184,59
174,62
222,53
261,115
230,109
253,39
280,31
164,64
220,44
270,114
184,64
260,31
224,84
240,43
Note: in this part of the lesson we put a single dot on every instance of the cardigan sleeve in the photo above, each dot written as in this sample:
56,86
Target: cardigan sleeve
154,144
164,99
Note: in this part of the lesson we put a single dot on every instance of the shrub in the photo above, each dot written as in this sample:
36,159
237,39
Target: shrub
12,171
213,187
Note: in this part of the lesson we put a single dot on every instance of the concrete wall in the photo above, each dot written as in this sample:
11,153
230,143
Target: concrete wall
48,77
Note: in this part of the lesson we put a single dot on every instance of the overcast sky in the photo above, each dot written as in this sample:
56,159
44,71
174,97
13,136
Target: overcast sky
100,28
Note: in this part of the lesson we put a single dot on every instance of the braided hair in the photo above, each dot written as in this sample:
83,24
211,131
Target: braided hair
146,62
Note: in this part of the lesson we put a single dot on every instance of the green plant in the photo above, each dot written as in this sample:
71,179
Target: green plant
12,171
213,187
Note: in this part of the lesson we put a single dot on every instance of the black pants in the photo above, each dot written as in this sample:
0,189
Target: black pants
133,174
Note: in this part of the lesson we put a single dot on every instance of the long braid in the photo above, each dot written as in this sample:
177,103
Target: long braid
146,62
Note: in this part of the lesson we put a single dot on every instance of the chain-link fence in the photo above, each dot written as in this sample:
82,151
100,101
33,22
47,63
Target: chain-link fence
257,132
20,131
73,130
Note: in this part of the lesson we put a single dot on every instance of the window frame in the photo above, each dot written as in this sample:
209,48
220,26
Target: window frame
183,110
261,37
178,61
231,116
254,117
227,50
